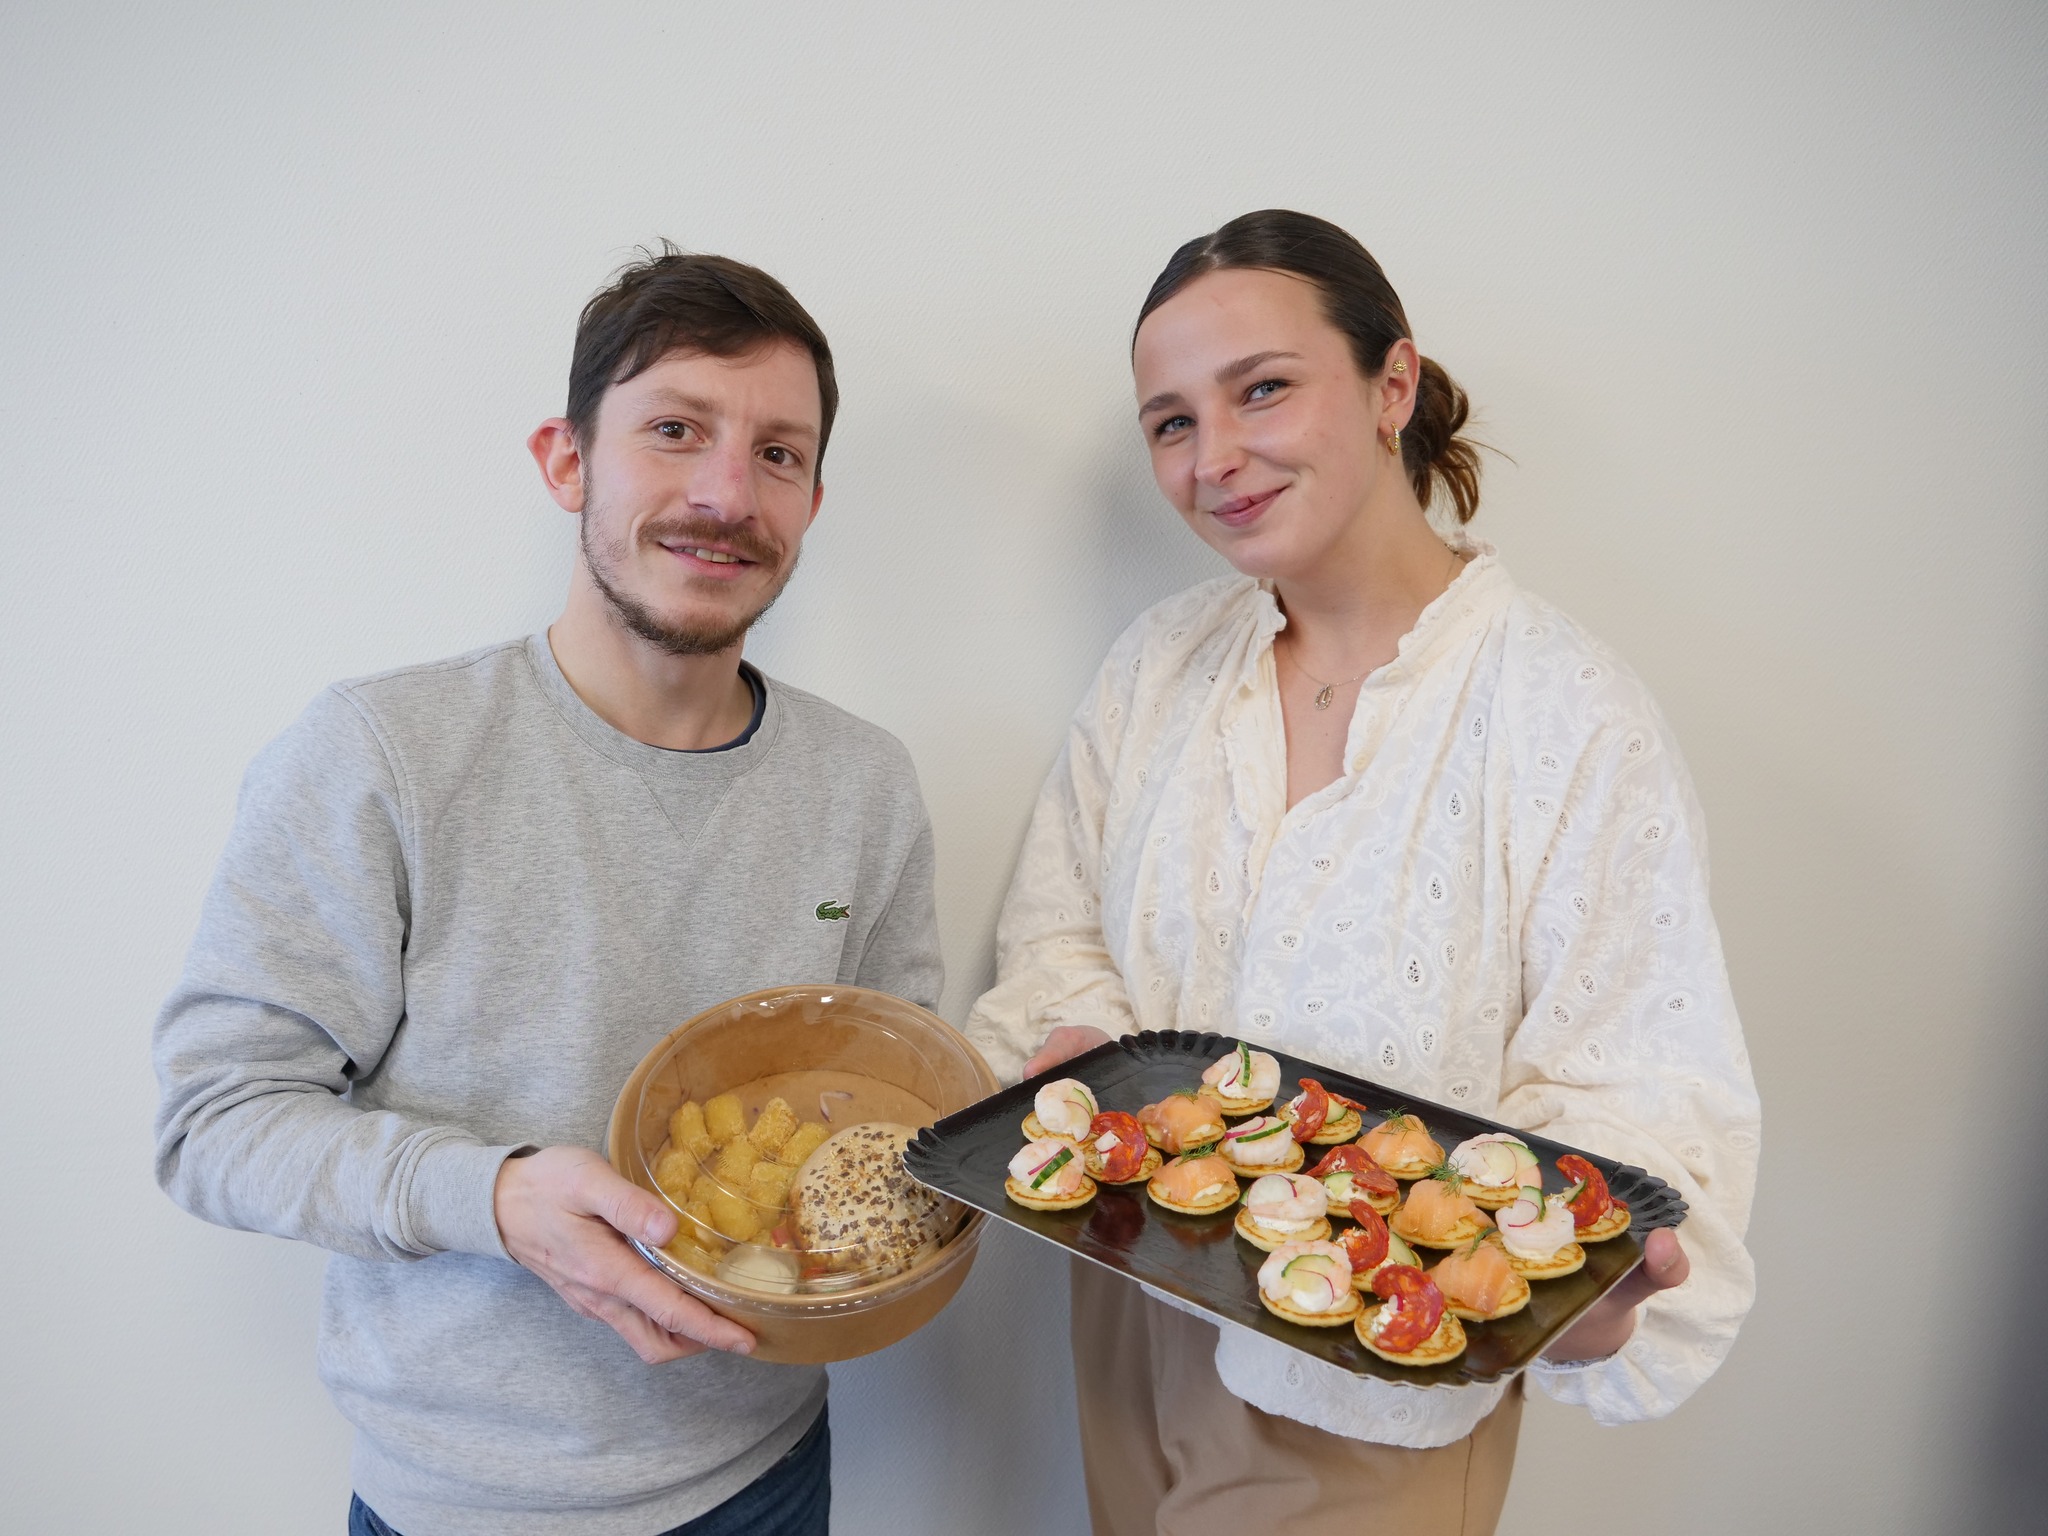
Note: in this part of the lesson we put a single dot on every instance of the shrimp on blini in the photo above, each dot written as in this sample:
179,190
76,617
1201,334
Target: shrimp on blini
1048,1175
1284,1208
1537,1232
1259,1146
1245,1081
1310,1284
1063,1108
1495,1165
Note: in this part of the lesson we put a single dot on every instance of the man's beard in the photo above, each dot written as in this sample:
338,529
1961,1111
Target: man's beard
639,619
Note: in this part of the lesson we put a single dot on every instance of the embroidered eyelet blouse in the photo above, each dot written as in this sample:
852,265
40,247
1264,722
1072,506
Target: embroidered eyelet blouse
1500,904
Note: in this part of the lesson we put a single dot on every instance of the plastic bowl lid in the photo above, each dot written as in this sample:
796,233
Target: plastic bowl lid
788,1181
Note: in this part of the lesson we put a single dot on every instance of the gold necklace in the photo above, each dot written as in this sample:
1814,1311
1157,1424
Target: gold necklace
1327,692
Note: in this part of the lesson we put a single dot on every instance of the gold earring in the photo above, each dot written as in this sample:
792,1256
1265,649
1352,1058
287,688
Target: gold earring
1394,443
1400,367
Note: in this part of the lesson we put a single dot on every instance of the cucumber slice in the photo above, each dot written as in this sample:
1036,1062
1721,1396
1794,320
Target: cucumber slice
1260,1135
1053,1165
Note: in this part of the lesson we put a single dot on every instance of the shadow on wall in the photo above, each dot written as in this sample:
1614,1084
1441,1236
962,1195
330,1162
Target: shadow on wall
1144,552
2003,1465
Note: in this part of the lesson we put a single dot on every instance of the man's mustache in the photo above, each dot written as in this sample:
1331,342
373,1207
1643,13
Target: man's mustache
742,540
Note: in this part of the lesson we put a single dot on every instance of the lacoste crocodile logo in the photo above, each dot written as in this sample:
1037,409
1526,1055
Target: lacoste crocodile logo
833,911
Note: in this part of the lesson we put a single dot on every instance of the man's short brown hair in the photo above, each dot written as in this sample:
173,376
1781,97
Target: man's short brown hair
673,300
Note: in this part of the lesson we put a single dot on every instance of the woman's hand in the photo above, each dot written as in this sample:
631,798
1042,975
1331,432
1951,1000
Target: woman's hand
1063,1044
1610,1320
562,1213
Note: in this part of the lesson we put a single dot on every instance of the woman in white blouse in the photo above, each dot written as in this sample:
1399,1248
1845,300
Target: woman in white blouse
1370,803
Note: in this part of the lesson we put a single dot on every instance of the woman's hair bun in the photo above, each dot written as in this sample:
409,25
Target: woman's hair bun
1437,459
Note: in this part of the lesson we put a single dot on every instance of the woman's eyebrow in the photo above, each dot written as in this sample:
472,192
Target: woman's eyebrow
1224,375
1245,365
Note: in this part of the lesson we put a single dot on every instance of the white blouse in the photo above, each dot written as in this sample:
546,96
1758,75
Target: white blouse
1501,905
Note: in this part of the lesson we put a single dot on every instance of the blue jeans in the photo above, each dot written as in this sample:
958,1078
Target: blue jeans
792,1498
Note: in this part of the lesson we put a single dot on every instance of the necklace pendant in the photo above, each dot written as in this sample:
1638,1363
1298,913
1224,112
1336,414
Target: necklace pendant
1324,695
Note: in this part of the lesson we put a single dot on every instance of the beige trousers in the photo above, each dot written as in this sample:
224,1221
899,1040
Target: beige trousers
1169,1451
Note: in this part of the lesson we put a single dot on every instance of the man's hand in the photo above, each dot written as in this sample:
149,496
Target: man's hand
1610,1320
561,1212
1064,1043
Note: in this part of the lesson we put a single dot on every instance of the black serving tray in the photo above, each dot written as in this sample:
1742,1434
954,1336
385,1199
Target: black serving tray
1202,1261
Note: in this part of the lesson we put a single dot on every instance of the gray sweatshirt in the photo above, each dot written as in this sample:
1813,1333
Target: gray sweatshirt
455,910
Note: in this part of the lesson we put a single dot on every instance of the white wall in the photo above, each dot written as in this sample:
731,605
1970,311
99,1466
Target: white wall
1752,298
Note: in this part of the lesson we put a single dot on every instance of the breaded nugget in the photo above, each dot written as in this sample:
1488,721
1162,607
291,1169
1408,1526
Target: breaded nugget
735,1161
723,1119
768,1184
772,1127
697,1229
674,1172
803,1141
735,1217
686,1129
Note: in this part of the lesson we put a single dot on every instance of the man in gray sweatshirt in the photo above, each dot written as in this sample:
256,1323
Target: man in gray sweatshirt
462,900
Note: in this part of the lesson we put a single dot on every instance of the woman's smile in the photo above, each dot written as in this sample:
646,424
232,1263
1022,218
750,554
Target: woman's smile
1241,511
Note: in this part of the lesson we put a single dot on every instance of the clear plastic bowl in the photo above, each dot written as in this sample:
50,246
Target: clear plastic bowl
819,1286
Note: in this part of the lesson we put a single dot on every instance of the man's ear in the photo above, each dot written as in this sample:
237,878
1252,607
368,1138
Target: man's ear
553,446
817,496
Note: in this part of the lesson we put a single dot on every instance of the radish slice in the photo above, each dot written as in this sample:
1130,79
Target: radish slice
1533,1227
1312,1277
1492,1160
1286,1197
825,1102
